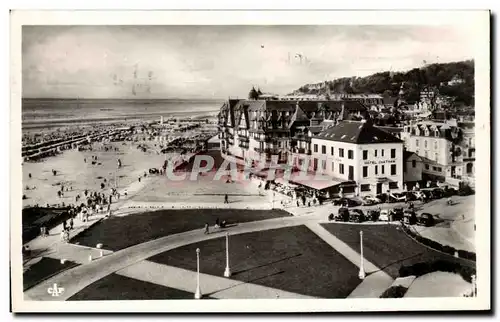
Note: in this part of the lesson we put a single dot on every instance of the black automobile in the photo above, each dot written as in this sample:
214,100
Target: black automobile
373,215
356,215
438,193
345,202
425,219
448,192
382,197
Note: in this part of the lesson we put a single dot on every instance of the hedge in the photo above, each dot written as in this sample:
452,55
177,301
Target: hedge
420,269
397,291
440,247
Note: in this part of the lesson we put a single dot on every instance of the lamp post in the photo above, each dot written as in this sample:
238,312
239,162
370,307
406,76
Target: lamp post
361,267
197,294
227,271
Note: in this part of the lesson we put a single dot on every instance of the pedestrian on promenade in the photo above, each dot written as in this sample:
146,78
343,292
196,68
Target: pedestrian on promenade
226,198
207,229
71,224
309,203
29,175
139,179
298,204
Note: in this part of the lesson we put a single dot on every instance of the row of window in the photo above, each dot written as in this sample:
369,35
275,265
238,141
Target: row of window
365,153
382,170
350,153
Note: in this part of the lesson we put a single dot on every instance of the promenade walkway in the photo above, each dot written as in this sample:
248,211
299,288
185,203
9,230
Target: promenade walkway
210,285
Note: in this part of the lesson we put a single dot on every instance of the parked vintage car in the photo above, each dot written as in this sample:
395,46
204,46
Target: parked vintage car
370,200
356,216
448,192
373,215
382,197
438,193
425,219
384,215
345,202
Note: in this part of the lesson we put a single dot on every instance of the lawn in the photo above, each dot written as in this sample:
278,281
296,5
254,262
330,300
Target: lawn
292,259
117,287
117,233
387,246
45,268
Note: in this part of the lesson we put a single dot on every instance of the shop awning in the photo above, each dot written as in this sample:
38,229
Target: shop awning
315,181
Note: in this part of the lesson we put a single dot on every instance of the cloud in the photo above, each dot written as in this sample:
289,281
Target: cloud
221,61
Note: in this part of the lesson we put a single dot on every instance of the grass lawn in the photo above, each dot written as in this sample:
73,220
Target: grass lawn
292,259
117,233
387,246
117,287
44,269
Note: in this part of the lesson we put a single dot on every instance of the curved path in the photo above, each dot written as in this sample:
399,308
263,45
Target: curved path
76,279
79,277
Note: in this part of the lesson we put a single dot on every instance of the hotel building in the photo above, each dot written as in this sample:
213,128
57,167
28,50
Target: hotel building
447,149
360,153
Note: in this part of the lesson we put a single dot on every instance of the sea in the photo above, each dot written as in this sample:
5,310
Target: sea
51,113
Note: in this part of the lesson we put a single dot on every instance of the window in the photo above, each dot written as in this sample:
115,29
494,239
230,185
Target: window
365,155
425,144
323,149
333,167
426,167
376,170
382,152
365,172
375,152
341,168
365,187
434,168
341,153
413,163
382,168
393,185
393,153
331,150
416,142
350,154
393,169
315,148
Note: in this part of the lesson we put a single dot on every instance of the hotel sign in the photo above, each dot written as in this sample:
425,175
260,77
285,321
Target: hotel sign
379,162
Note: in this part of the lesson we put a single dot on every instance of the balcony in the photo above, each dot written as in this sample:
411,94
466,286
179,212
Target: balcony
301,151
243,139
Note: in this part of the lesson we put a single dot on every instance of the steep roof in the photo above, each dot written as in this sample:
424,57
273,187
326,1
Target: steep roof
409,154
358,133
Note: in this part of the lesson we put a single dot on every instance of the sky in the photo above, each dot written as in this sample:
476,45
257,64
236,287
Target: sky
221,61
